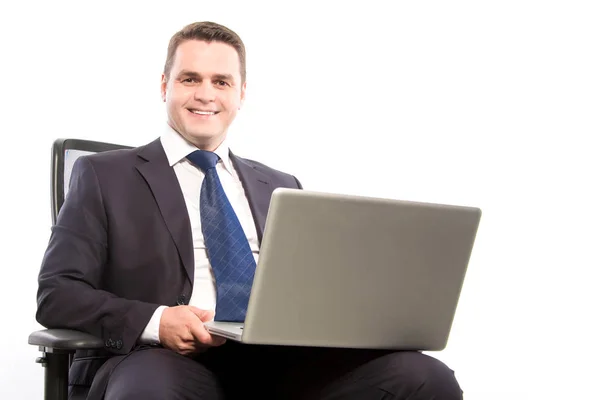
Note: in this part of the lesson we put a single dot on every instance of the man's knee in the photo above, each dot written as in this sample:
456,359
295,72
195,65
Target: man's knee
418,376
118,389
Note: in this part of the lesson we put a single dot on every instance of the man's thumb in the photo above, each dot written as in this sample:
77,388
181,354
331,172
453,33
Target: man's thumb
204,315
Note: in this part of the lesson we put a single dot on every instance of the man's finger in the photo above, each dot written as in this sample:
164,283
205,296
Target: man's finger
204,337
218,340
204,315
200,333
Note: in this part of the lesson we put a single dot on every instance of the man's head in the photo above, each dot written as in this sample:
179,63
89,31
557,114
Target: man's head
204,82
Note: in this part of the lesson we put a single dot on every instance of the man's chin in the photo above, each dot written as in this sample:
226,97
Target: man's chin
204,139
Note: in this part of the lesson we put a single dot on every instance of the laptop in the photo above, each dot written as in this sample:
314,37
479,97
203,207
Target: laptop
349,271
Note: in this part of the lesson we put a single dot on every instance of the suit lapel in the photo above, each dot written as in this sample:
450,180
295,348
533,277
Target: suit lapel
165,187
258,188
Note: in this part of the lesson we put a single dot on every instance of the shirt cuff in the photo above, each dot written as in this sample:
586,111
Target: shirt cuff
150,335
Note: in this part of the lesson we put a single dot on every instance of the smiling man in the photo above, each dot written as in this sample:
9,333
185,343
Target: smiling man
134,258
204,88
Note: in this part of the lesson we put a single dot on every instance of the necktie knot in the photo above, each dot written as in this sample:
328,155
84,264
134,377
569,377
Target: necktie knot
203,159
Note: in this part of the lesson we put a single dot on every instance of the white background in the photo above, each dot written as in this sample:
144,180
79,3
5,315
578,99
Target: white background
493,104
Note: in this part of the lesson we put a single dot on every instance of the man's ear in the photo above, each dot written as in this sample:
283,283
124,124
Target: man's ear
242,95
163,88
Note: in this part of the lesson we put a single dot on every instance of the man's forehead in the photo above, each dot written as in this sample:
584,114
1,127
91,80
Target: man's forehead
204,58
209,51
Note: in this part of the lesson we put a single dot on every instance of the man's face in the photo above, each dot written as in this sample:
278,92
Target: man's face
204,92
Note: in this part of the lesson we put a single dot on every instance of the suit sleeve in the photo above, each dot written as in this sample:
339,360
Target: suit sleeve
70,280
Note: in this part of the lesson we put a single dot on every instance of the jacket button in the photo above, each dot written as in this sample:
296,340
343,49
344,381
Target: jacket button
109,343
181,300
119,344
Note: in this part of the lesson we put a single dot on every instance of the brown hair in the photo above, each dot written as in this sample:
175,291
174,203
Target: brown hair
208,32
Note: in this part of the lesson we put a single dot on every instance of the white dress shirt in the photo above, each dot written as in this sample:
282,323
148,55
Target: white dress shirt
190,179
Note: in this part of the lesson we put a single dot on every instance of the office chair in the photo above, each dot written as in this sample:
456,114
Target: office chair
59,345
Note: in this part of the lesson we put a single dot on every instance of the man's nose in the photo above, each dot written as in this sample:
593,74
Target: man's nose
205,92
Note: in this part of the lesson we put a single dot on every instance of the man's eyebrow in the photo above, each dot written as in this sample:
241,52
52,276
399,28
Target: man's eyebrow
195,75
190,74
224,77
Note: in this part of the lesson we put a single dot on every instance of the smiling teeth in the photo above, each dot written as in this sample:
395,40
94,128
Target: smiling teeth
203,112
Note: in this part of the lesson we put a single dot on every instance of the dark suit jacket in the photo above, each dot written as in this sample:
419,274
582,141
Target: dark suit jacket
122,246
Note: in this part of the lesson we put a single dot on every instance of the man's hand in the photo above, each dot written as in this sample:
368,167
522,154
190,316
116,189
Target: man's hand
182,330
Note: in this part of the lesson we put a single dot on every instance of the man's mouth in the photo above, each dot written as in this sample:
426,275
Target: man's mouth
202,112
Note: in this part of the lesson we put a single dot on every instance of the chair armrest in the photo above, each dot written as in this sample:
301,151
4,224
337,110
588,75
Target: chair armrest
58,347
65,339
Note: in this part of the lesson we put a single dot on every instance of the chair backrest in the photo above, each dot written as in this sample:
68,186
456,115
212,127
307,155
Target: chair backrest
64,154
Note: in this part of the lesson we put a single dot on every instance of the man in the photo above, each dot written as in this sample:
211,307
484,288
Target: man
131,259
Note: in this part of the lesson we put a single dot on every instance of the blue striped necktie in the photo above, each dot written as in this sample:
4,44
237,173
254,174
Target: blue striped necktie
228,250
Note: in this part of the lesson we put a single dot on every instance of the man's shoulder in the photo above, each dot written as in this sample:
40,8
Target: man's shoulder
279,178
118,157
111,156
263,167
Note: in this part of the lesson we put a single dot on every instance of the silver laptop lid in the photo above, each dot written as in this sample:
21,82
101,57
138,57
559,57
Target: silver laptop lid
350,271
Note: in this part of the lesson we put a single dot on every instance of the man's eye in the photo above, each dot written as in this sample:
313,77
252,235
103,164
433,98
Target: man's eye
222,83
188,80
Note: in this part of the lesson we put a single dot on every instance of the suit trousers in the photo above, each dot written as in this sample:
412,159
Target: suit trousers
239,371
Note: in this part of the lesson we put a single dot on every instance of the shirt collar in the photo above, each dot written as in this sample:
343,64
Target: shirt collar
177,148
